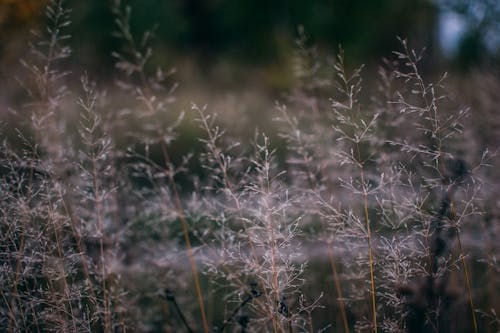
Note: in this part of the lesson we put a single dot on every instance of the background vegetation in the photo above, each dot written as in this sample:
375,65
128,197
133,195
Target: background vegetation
268,183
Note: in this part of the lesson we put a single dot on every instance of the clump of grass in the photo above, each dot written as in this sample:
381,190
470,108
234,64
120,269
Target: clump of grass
104,228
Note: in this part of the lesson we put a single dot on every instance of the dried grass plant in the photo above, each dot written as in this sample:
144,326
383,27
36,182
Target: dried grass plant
106,227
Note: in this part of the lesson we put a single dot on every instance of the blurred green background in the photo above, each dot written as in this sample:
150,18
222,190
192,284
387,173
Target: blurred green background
224,39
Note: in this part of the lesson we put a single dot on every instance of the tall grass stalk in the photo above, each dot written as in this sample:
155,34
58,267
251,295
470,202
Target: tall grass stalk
441,130
185,230
308,168
300,145
355,131
138,60
219,161
370,254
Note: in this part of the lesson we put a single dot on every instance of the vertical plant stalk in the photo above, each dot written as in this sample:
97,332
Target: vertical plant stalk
114,279
17,276
265,185
431,108
452,208
57,16
216,154
68,209
185,229
336,280
60,253
466,273
144,93
100,225
275,297
313,185
467,282
275,273
350,87
96,150
44,79
370,254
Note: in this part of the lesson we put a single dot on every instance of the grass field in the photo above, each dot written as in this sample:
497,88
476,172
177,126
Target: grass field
347,206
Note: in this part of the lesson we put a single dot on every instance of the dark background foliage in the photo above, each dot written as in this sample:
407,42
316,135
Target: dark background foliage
258,33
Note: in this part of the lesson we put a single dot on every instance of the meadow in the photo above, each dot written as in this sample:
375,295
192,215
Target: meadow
360,207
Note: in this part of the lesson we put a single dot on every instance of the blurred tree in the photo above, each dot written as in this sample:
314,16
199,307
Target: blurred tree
256,32
480,42
252,31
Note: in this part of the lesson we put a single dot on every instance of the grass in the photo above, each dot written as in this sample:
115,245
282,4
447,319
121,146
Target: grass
363,210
